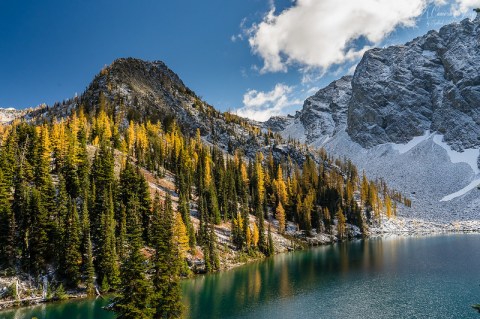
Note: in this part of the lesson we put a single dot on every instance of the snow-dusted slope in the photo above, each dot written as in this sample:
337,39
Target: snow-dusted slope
410,115
8,114
442,184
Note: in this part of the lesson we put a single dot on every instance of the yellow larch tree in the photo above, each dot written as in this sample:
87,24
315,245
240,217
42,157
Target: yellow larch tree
255,235
180,236
280,215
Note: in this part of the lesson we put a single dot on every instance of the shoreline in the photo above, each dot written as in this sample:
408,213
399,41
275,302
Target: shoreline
33,301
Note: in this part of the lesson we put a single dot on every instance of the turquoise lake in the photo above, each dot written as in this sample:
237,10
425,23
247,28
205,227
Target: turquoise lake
401,277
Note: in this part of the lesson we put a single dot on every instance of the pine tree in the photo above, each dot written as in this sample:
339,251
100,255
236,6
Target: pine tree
167,298
43,179
37,234
135,301
180,238
102,180
388,206
255,235
122,232
213,257
183,209
145,204
238,236
327,219
306,212
364,190
212,204
7,225
203,215
271,248
262,243
21,213
72,256
259,186
107,260
88,268
58,226
70,174
10,245
280,187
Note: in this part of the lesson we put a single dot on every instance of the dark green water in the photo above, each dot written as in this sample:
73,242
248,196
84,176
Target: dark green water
426,277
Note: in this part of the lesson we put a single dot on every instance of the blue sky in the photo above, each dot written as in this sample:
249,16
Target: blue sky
260,57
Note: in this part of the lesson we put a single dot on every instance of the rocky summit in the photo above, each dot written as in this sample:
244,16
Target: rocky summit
322,116
431,83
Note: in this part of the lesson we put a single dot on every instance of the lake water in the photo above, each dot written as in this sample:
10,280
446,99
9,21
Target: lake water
424,277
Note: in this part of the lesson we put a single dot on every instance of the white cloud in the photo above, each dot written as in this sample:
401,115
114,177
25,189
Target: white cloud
464,6
352,69
260,105
319,34
318,37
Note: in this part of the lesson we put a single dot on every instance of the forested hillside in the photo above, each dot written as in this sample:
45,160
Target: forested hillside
76,207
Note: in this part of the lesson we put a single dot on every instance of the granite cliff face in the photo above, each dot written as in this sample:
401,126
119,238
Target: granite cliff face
322,116
410,114
431,83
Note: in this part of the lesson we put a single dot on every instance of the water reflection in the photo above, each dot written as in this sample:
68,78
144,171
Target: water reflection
77,309
378,262
278,277
428,277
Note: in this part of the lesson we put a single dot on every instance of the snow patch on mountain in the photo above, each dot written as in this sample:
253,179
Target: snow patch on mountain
295,130
409,115
403,148
469,156
441,190
463,191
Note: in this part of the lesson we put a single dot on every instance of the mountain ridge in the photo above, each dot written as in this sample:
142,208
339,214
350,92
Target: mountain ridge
413,118
396,95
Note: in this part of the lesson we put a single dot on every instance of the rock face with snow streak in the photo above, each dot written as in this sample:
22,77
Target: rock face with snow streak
397,93
431,83
381,119
323,114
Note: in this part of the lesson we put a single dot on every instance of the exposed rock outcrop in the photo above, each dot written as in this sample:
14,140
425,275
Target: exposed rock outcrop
431,83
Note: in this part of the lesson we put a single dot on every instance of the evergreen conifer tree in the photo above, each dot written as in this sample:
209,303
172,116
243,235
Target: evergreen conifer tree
72,256
135,301
167,298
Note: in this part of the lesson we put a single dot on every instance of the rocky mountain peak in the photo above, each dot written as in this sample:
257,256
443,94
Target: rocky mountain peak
410,114
134,71
139,90
431,83
323,114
